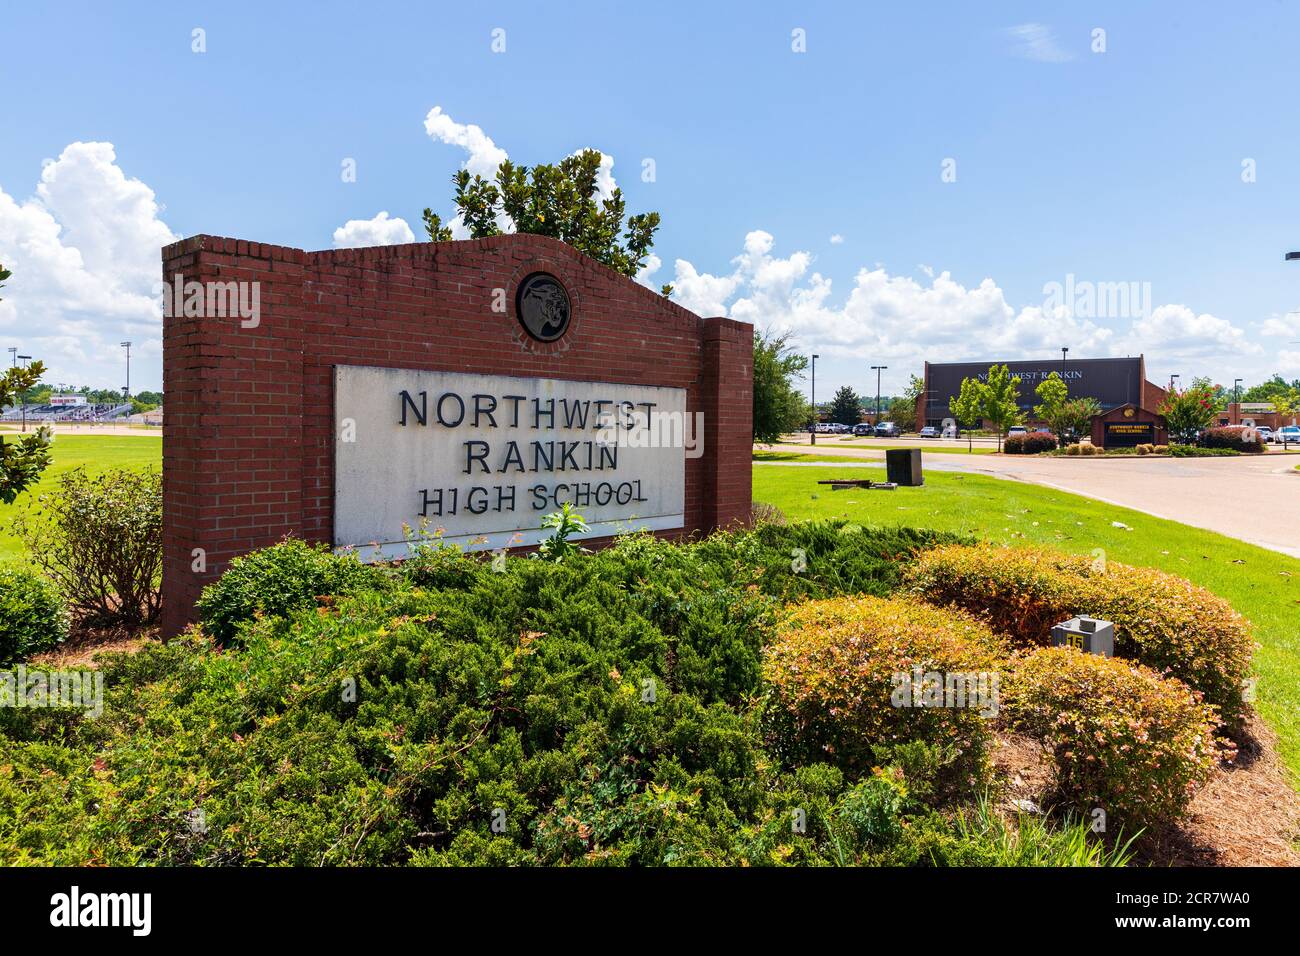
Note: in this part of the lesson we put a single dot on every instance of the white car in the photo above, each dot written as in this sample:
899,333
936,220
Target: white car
1265,433
1287,434
1017,430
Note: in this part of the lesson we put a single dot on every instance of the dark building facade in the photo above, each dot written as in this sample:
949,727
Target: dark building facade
1112,381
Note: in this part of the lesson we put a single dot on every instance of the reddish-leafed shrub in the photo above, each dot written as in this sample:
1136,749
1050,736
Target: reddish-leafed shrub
846,676
1123,739
1161,620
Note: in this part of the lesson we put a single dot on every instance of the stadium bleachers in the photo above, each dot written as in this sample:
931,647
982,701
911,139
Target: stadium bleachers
46,414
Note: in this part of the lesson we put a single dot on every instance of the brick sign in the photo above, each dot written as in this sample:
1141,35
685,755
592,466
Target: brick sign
480,458
288,373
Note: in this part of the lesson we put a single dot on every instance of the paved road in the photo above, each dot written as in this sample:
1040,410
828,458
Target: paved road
1251,498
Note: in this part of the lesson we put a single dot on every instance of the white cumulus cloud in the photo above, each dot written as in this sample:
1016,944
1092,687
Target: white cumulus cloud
379,231
484,156
1179,331
84,250
909,320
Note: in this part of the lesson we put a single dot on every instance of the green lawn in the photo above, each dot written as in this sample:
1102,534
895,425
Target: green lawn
97,453
1263,585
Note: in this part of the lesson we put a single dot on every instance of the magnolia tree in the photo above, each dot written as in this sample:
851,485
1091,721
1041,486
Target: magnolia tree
558,200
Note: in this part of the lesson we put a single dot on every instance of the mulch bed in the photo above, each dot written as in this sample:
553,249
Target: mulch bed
1248,814
84,643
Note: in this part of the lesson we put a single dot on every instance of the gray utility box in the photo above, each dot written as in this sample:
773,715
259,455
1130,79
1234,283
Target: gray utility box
1088,634
903,467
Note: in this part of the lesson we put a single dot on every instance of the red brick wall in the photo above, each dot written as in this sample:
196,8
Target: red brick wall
1153,396
248,437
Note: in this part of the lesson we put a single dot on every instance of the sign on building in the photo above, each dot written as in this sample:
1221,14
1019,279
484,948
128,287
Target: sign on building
1129,434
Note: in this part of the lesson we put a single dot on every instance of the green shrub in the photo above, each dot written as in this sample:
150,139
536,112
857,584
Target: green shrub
1234,437
285,577
1122,737
1031,443
868,815
99,539
607,709
438,565
841,679
813,559
32,616
1192,451
1161,620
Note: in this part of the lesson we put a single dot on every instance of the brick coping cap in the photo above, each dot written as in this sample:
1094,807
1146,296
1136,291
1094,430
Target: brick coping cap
224,245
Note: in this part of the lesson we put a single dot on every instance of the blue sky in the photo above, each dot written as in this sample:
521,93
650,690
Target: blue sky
1122,166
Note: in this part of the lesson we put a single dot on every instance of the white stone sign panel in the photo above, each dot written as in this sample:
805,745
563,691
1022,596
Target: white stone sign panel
480,459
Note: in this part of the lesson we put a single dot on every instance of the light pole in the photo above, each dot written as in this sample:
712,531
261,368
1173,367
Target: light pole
1236,398
13,354
1171,383
1064,349
126,392
877,369
22,396
813,440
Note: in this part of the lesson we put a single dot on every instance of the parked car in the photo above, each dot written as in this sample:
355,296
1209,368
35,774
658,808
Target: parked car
1265,433
1288,434
888,430
864,429
929,431
1017,430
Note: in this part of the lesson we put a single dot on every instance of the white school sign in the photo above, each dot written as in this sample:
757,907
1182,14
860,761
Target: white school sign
482,458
